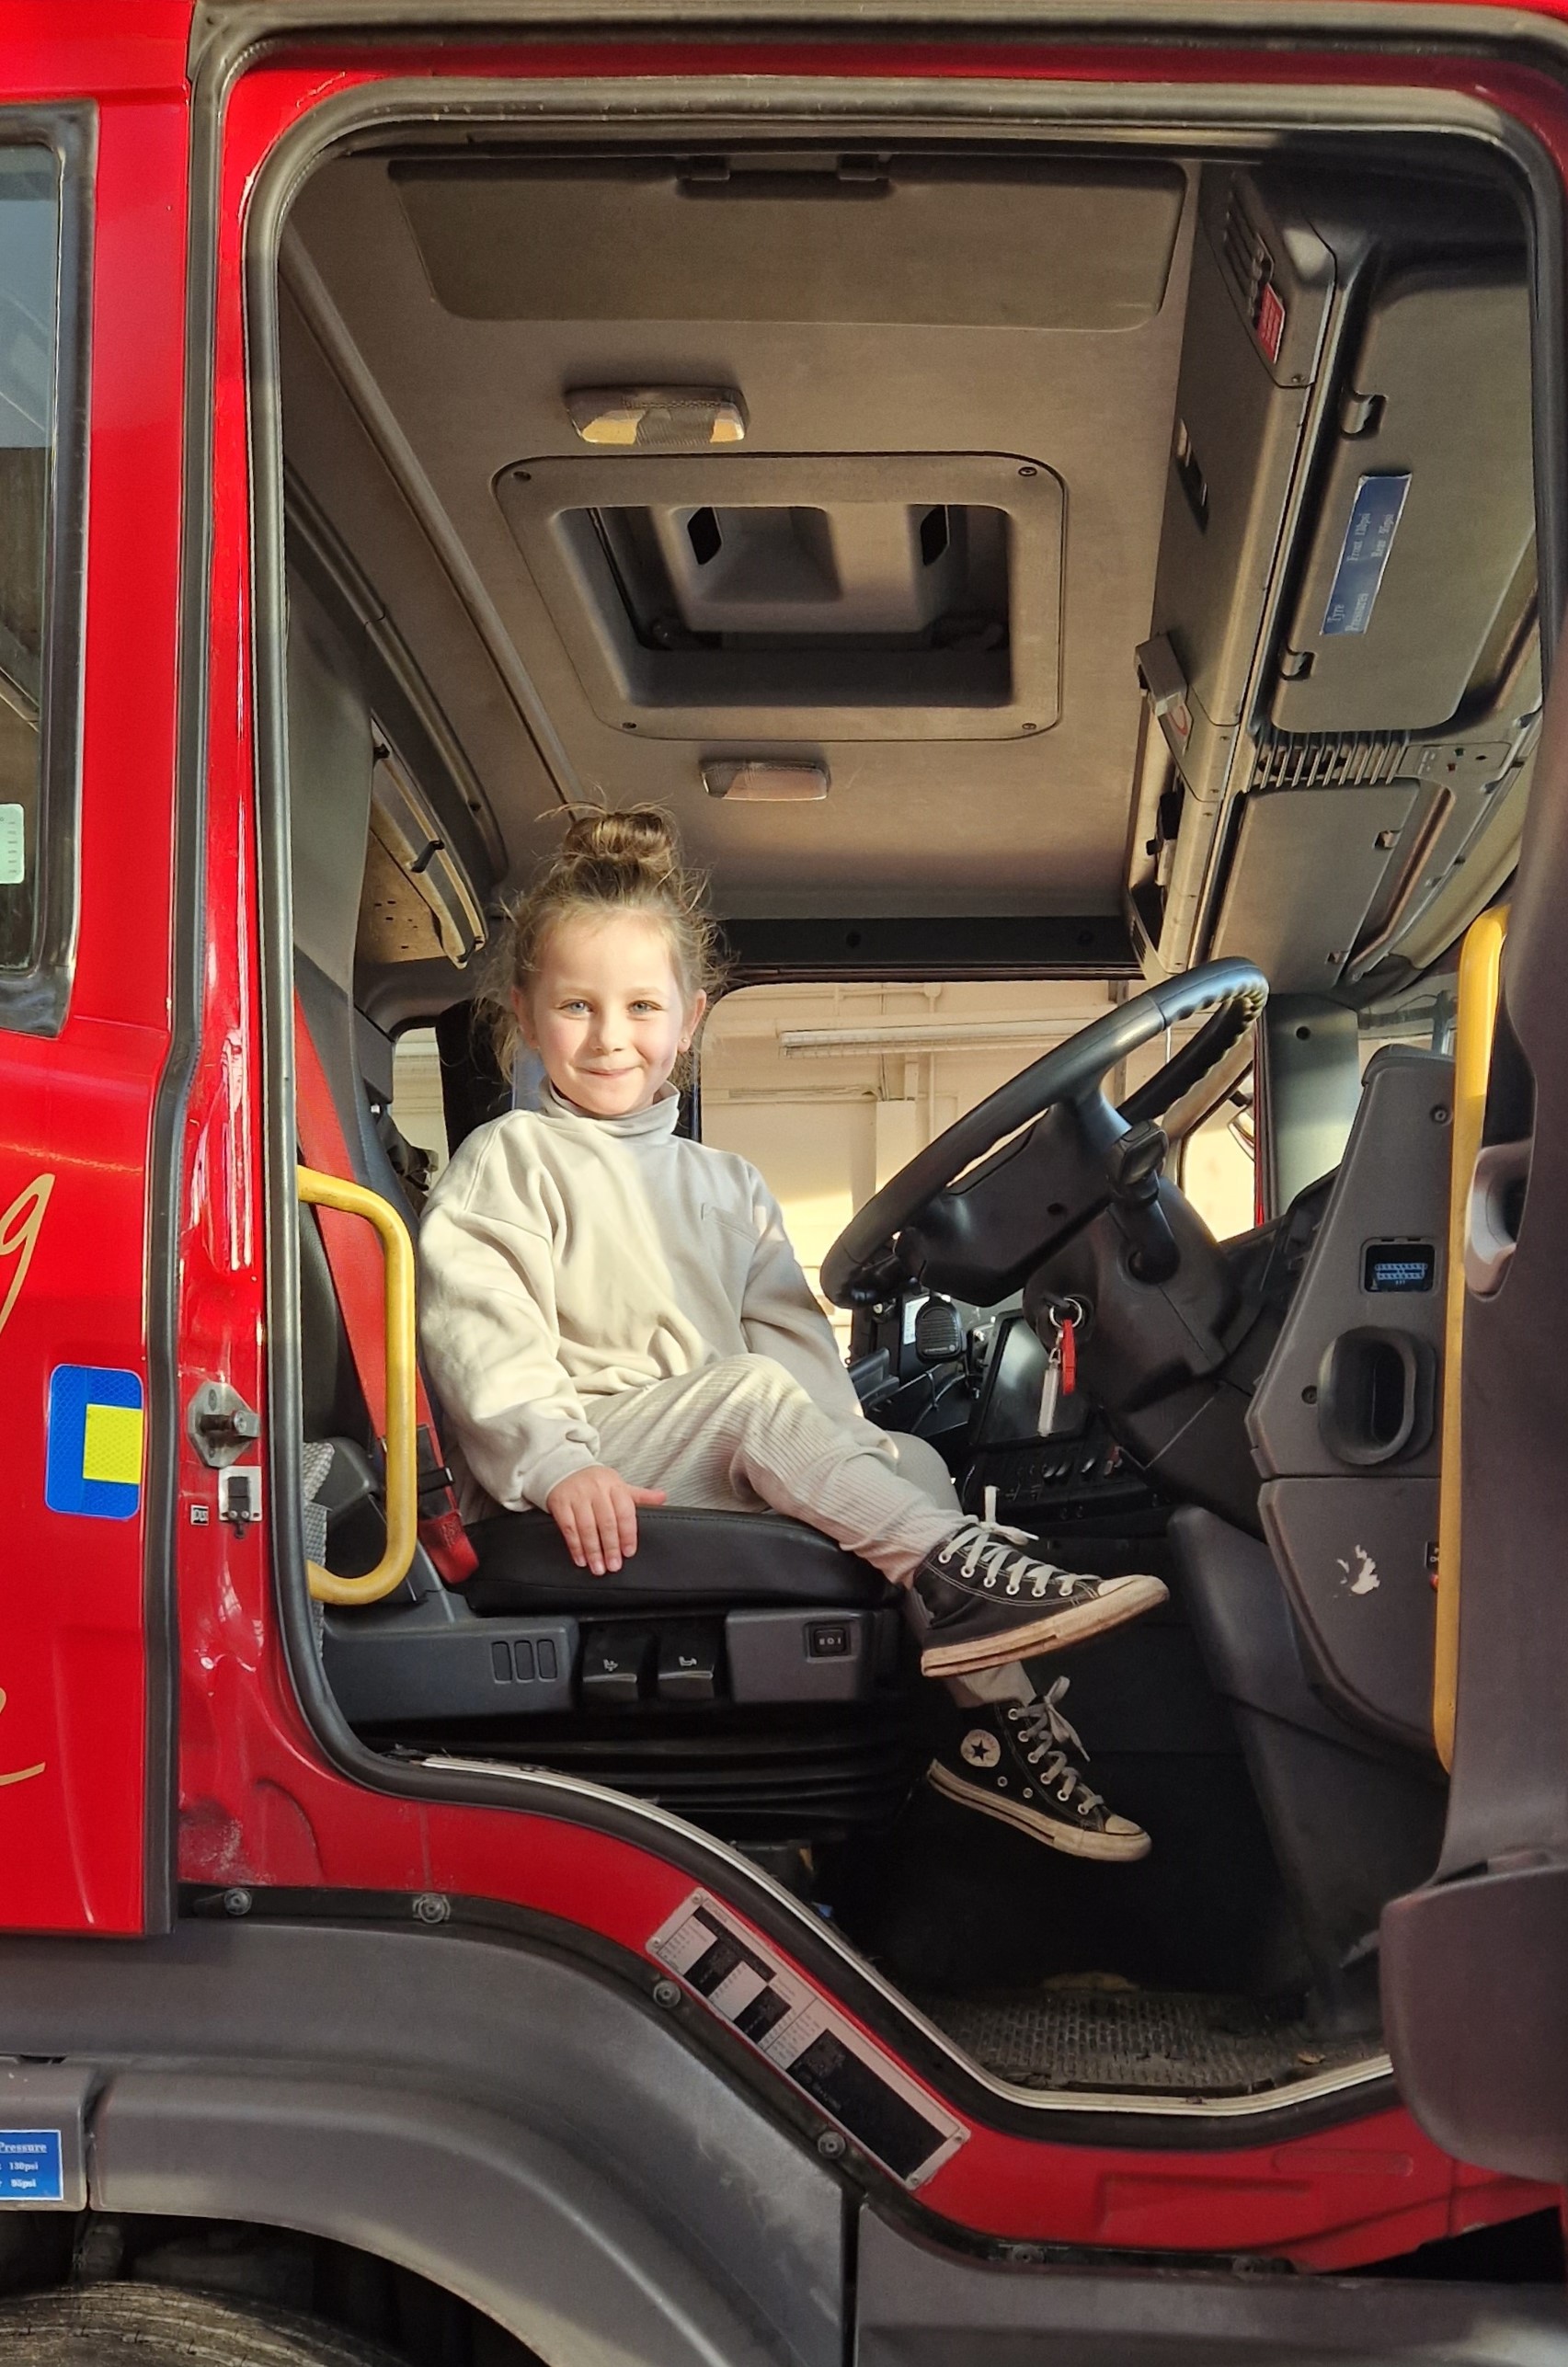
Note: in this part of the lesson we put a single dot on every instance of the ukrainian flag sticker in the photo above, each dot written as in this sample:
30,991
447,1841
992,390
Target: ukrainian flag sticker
96,1424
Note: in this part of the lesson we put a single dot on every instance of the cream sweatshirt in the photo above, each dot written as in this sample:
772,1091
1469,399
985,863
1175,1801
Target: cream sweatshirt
565,1258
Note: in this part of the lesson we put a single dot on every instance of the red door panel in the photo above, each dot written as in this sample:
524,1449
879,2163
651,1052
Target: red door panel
76,1103
264,1803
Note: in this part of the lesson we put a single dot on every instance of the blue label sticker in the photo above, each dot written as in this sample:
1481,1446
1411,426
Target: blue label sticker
30,2166
93,1466
1369,539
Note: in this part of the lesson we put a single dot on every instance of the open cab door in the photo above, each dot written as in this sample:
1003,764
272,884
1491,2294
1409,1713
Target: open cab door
1475,1965
93,144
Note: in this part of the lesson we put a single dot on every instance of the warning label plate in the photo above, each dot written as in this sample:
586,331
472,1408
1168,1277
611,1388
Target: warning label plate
30,2166
1369,535
1269,319
796,2030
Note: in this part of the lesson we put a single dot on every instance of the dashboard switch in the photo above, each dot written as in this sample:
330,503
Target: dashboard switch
689,1664
614,1660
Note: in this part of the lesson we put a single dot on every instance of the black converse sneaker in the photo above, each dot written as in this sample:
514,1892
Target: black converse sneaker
1011,1763
977,1601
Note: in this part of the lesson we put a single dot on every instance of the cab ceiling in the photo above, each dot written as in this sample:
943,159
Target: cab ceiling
995,338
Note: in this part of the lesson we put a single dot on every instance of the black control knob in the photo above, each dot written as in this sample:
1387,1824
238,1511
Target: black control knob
1133,1163
1132,1170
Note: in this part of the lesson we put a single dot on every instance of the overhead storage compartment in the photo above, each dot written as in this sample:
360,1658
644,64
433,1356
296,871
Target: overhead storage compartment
1345,603
960,242
1424,525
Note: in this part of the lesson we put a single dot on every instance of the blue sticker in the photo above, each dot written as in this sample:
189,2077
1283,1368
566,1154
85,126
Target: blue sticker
96,1432
1369,539
30,2166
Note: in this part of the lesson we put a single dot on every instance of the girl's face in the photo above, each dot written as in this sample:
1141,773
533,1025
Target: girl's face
605,1011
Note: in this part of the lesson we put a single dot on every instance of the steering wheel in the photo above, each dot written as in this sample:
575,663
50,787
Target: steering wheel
1232,992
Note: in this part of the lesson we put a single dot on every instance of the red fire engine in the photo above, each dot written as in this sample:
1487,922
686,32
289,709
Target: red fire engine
1134,448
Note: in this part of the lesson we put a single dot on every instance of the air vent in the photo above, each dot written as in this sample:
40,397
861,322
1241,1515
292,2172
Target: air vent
1363,759
1244,258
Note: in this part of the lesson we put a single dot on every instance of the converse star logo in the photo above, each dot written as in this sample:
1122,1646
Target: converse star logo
979,1749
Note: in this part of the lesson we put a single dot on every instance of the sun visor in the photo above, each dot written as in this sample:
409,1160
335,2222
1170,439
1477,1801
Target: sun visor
1426,518
876,240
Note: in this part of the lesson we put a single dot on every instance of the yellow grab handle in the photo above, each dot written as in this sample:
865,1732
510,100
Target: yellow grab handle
1481,986
402,1490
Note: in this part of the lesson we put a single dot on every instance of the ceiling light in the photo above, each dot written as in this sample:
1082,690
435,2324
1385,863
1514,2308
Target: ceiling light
658,419
765,779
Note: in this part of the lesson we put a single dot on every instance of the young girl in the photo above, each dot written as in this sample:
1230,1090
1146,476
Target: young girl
615,1318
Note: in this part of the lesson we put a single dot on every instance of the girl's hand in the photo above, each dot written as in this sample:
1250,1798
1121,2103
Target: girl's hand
596,1512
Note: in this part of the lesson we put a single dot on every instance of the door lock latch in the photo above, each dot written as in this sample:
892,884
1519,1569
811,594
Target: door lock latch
221,1424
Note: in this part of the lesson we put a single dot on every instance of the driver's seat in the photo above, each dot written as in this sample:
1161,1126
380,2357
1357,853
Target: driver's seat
685,1560
740,1667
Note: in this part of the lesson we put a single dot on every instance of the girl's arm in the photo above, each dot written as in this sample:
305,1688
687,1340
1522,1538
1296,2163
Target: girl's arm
781,1318
488,1333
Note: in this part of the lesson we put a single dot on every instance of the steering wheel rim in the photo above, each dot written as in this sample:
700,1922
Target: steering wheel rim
1232,992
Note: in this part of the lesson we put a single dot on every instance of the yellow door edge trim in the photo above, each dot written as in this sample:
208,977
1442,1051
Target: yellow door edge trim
1480,990
402,1488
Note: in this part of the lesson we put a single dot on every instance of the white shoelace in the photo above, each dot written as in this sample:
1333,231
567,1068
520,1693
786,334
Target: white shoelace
993,1550
1042,1725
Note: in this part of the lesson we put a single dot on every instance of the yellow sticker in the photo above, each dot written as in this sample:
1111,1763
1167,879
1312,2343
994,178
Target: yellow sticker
111,1449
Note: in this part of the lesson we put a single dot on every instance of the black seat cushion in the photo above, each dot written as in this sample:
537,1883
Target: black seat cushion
684,1561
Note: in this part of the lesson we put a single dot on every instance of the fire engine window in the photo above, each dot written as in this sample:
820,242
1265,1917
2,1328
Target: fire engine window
41,231
830,1088
417,1110
28,228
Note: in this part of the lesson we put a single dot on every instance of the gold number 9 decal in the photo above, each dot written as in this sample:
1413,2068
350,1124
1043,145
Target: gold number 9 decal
19,1237
19,1229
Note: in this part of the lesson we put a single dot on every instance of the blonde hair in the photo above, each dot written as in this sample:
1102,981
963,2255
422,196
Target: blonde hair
609,860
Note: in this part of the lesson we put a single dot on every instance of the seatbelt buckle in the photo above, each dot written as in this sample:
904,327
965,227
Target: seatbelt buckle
441,1532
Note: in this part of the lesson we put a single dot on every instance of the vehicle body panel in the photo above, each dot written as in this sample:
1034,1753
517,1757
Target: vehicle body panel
86,1836
275,1795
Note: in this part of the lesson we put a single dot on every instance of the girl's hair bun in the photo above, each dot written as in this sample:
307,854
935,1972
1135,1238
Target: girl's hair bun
639,837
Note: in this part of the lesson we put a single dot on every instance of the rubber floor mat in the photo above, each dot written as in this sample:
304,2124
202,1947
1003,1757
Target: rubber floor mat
1128,2040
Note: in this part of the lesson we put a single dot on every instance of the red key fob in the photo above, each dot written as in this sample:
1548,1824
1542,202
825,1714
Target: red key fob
1068,1342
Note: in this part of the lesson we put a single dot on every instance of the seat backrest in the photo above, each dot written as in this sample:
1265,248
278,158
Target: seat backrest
332,1404
331,761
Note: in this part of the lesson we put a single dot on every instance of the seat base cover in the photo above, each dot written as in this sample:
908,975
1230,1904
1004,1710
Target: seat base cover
684,1561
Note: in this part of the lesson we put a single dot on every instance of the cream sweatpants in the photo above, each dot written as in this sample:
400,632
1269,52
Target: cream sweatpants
744,1436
